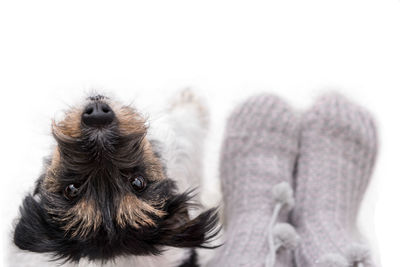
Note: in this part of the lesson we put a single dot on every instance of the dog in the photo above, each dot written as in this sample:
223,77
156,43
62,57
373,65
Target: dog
115,190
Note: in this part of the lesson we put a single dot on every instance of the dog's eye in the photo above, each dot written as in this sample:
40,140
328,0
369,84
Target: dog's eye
71,191
138,183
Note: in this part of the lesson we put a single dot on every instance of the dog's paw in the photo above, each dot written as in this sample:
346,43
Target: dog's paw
187,99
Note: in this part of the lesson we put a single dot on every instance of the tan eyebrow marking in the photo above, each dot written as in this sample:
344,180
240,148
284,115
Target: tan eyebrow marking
82,219
135,212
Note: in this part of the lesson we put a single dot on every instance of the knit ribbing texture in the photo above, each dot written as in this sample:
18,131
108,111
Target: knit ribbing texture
337,153
258,152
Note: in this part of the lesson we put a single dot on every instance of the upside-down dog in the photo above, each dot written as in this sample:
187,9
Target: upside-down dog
115,189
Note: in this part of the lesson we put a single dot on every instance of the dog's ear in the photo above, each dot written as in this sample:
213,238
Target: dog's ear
178,230
33,231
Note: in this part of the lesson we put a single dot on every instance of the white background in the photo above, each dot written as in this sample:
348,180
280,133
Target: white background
52,52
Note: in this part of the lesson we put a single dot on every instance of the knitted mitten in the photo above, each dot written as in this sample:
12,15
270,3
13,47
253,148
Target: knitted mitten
257,161
337,153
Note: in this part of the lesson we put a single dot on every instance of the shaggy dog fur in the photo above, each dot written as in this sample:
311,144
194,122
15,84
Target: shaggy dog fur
119,191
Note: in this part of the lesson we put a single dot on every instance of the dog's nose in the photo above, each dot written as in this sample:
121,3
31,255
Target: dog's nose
97,114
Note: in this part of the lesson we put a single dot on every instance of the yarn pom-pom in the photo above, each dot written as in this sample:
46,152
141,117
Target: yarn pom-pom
285,235
283,193
358,253
333,260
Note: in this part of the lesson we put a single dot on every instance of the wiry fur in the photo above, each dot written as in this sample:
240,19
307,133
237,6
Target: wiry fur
108,221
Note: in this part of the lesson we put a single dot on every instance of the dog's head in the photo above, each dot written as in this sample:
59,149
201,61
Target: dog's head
105,193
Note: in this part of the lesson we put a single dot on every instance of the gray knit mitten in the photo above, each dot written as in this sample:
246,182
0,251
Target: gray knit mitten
337,152
257,161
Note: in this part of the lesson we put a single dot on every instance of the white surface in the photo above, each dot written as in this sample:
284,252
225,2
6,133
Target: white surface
53,51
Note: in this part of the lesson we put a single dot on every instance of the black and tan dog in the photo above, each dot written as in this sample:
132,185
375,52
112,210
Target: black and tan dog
108,191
